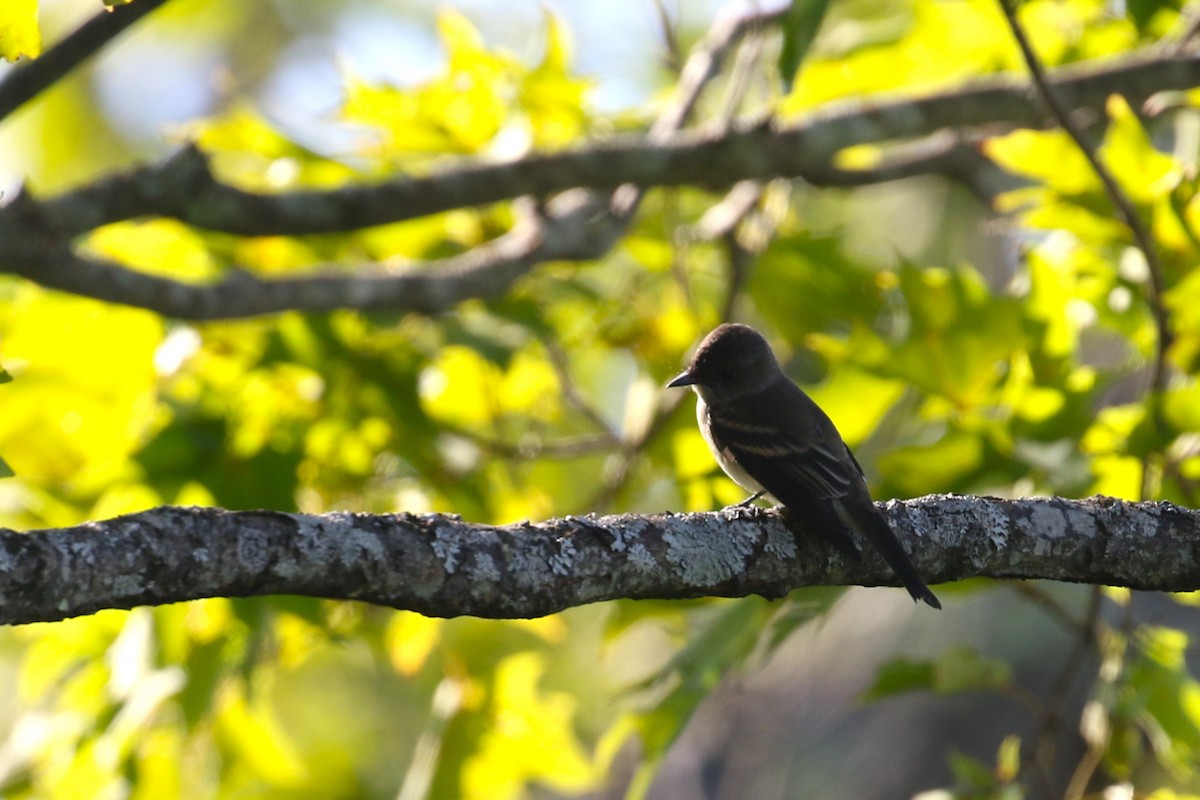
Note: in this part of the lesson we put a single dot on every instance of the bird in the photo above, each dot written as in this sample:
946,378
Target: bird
772,438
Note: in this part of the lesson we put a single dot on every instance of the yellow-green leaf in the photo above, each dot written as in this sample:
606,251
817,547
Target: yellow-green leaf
19,32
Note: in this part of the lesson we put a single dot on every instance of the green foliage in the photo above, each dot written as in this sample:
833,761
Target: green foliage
946,367
975,780
960,670
799,27
19,32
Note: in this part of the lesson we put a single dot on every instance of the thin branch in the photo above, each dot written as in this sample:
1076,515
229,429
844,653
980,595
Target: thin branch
948,153
704,63
618,478
571,394
534,445
440,565
1055,708
1037,595
27,80
1114,648
1189,28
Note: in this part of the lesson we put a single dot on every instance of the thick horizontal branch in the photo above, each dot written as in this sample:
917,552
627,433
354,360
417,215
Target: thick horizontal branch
440,565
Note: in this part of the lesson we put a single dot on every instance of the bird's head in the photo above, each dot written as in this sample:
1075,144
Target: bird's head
733,361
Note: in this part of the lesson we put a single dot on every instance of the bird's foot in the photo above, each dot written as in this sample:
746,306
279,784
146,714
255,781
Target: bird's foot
749,501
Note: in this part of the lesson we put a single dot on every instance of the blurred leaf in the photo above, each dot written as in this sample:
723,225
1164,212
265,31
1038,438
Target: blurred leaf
941,466
19,32
961,669
532,740
718,644
801,607
1143,12
877,47
410,639
249,732
1166,699
551,97
1144,173
974,779
799,24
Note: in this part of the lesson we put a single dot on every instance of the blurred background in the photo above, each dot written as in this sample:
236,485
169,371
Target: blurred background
990,334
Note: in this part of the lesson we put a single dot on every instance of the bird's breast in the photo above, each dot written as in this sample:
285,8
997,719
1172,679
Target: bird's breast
725,457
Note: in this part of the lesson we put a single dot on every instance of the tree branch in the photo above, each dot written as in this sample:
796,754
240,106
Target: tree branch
568,230
36,236
440,565
27,80
183,188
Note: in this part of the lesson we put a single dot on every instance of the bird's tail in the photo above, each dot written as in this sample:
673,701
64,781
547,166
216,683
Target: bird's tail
871,525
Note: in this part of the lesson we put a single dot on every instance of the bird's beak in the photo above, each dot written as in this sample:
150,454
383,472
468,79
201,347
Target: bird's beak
682,379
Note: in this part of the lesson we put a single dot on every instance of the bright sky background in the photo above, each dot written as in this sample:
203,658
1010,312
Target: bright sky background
148,82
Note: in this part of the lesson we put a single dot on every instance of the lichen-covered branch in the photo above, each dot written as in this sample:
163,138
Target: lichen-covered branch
440,565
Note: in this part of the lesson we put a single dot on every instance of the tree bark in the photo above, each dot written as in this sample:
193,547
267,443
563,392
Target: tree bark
441,565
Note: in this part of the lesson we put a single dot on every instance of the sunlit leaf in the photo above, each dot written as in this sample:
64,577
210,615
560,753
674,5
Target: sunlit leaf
19,32
531,740
250,732
1143,172
1169,695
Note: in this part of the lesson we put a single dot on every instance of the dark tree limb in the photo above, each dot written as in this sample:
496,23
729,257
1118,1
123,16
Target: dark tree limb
576,225
442,566
570,229
37,236
183,187
30,78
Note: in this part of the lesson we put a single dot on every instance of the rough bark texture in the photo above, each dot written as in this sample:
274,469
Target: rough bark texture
443,566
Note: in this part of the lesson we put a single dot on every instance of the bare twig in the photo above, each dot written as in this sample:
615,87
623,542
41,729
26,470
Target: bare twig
1050,725
571,393
27,80
623,472
536,446
1188,30
703,64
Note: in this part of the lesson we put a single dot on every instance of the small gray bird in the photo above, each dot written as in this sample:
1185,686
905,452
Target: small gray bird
769,436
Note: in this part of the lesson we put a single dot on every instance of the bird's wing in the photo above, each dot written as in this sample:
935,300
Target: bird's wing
786,464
